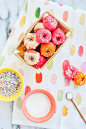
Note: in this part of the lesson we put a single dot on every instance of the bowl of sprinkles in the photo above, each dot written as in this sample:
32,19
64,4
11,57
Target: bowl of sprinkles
11,84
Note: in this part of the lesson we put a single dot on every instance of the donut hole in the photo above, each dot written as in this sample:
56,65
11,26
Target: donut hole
48,51
30,39
44,35
70,71
31,58
25,49
82,79
58,37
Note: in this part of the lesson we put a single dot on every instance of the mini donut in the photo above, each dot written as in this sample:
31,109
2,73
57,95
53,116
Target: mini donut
79,78
70,71
30,41
31,57
38,26
41,62
47,49
22,49
50,23
43,36
58,36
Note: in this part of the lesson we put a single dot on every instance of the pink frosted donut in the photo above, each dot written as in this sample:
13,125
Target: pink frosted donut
38,26
43,36
31,57
58,36
30,41
70,71
41,62
50,23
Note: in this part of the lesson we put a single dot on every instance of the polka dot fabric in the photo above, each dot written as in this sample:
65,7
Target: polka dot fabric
51,78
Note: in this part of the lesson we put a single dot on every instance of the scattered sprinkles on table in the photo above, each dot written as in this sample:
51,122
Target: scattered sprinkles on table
9,83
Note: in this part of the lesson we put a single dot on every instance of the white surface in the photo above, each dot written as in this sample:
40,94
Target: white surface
38,105
9,11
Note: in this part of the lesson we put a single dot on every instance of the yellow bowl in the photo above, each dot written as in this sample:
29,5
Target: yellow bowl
12,98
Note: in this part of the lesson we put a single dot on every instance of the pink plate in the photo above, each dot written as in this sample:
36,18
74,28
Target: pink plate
42,119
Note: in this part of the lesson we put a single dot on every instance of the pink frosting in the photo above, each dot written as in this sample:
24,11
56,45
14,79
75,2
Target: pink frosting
58,36
43,36
50,23
31,51
41,62
52,44
70,71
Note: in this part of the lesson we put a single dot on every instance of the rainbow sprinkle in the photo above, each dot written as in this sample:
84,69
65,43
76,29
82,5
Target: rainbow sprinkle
9,84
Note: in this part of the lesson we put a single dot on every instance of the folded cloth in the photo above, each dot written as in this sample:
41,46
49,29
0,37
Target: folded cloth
52,78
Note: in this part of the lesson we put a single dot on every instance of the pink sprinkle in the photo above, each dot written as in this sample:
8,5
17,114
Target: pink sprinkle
80,51
60,4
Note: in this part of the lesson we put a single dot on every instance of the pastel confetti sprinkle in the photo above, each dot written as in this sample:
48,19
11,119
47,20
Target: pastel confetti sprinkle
31,23
2,58
75,86
85,35
74,8
60,95
21,62
82,19
72,29
27,89
22,22
60,4
67,82
12,32
47,90
53,79
65,16
9,83
25,7
72,50
51,11
78,99
21,72
83,111
65,64
19,103
20,36
46,2
39,77
64,111
10,48
32,1
13,65
50,65
37,12
80,51
83,67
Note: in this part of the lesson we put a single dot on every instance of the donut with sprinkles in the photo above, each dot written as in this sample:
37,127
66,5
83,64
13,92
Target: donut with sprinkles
50,23
70,71
30,41
43,36
79,78
58,36
31,57
47,49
